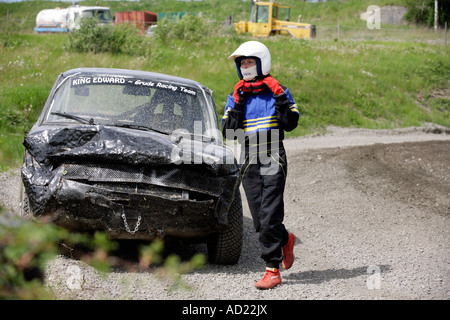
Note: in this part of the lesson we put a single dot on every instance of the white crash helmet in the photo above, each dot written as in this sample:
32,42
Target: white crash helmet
253,49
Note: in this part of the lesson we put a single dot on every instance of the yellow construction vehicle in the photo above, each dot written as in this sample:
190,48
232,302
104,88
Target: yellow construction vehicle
270,18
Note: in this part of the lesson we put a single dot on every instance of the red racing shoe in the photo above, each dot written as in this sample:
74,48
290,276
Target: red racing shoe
288,252
270,280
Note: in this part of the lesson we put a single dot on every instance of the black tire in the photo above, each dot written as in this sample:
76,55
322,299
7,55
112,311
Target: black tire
225,247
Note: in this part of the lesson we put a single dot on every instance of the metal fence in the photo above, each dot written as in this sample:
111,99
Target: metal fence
343,32
334,32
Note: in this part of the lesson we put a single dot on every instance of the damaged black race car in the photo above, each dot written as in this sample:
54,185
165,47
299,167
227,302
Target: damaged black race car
137,155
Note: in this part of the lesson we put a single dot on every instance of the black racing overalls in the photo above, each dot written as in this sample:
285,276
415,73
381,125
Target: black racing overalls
263,179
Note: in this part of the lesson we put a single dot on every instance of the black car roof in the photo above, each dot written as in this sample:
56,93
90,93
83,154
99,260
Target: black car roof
133,73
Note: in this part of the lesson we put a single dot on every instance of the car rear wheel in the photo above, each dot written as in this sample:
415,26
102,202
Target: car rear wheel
226,246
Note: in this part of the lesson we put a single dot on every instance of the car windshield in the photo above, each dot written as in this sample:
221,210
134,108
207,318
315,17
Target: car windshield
131,102
103,15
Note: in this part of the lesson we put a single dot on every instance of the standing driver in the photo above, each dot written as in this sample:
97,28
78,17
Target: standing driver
257,113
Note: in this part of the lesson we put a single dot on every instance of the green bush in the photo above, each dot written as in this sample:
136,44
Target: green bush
422,12
91,37
20,106
95,38
188,28
127,39
25,248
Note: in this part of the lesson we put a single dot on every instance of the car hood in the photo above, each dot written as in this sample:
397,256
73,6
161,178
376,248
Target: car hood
52,146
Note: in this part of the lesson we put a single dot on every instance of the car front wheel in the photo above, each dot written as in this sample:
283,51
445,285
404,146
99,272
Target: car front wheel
225,247
24,205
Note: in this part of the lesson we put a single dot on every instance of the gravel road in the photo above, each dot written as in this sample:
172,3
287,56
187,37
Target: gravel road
370,210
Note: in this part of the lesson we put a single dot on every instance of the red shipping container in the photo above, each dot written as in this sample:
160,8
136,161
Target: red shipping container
141,19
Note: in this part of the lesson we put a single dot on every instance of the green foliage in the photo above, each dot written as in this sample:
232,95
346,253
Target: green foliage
95,38
369,84
26,247
188,28
151,254
423,12
20,107
172,267
91,37
126,39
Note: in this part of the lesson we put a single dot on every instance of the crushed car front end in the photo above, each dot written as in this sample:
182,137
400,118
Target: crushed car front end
91,165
